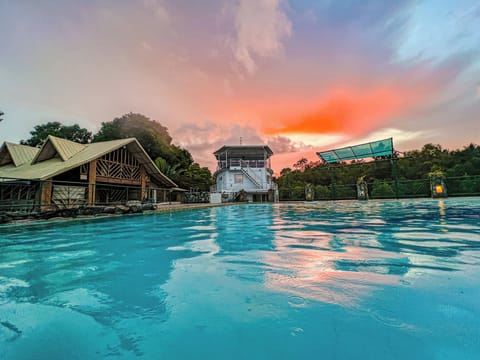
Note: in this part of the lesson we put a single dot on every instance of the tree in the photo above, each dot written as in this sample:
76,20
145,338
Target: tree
407,175
169,170
172,160
134,125
73,132
382,189
285,171
152,135
301,164
195,177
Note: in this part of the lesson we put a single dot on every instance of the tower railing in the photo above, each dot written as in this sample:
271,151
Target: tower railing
241,163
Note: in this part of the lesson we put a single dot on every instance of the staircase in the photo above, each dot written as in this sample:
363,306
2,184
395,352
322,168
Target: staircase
253,178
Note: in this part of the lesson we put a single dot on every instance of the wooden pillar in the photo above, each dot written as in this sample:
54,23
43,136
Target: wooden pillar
92,181
45,195
143,179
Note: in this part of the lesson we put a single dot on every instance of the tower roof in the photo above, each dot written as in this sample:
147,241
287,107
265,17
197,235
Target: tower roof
246,151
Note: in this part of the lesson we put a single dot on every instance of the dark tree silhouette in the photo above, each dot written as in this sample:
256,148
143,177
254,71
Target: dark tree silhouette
73,132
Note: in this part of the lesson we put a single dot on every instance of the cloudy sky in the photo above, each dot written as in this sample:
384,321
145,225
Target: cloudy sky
299,75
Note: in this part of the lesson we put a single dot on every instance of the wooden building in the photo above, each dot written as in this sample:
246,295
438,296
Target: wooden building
66,173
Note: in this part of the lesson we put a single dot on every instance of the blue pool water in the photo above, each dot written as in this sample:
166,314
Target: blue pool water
335,280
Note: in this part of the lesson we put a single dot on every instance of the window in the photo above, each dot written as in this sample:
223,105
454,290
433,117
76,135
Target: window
238,179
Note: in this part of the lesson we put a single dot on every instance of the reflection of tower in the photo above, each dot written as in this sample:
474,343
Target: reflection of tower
244,228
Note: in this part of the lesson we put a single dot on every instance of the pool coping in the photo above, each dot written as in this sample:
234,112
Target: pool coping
161,209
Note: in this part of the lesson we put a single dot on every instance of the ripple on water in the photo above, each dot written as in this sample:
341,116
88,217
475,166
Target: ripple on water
296,331
144,285
7,284
81,298
40,328
297,301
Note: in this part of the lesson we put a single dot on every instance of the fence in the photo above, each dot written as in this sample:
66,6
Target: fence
379,189
196,197
26,195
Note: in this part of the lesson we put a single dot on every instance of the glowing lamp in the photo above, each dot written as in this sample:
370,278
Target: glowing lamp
439,189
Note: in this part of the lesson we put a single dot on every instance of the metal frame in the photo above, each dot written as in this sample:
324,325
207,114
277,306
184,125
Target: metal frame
334,153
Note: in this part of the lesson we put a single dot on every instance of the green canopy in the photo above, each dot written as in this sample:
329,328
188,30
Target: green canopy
363,151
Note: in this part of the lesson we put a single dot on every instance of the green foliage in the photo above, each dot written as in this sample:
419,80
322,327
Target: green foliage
346,191
301,164
174,161
382,189
195,177
153,136
74,133
469,186
412,171
285,171
464,185
436,172
168,169
298,192
322,192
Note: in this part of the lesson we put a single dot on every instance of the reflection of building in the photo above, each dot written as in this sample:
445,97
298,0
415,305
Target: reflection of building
252,235
64,172
245,171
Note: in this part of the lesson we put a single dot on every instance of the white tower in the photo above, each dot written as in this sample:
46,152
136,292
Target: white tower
243,169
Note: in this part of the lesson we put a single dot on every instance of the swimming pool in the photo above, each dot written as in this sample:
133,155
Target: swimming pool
330,280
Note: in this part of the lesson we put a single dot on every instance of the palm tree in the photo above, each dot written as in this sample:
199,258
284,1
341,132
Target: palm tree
167,169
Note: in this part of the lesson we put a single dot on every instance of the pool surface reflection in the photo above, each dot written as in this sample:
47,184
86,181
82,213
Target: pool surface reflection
330,280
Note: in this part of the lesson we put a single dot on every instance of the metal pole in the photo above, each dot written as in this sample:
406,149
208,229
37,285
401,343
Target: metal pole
395,176
333,183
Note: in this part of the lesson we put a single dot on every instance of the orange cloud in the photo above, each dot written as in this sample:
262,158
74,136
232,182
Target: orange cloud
351,110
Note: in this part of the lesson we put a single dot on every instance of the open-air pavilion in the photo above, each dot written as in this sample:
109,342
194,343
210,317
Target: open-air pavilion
66,173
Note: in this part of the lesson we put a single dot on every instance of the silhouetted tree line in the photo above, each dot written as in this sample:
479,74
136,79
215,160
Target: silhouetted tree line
174,161
407,175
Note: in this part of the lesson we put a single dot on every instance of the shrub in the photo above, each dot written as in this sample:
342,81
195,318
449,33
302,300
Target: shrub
382,189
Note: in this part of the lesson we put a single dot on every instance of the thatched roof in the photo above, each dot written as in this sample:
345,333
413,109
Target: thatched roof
57,156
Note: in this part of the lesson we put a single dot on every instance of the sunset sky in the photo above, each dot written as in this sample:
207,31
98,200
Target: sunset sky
300,76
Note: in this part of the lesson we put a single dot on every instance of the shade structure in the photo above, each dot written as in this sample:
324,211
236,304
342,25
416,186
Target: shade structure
363,151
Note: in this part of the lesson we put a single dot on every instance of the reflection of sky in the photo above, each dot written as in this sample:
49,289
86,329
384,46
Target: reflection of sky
247,281
327,259
342,253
